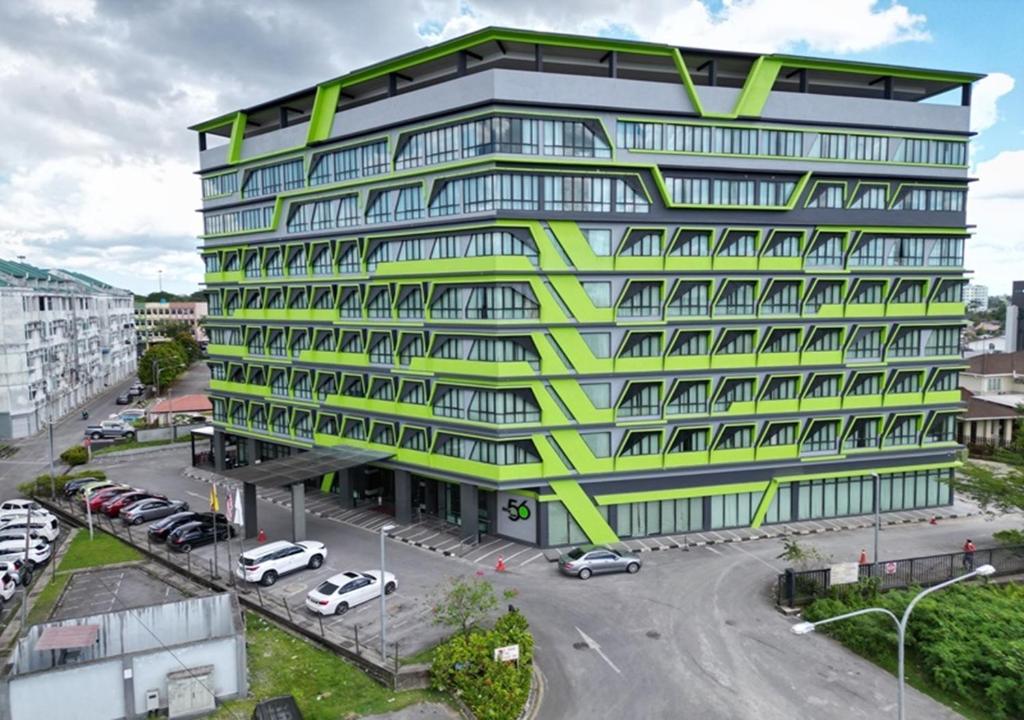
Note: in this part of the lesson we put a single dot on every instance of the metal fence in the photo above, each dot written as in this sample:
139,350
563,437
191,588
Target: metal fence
795,588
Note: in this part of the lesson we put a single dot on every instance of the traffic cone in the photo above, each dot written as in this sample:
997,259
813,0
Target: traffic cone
500,565
261,537
934,520
863,559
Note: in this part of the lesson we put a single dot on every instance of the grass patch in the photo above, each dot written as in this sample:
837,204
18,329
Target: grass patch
47,599
324,685
102,550
123,445
423,657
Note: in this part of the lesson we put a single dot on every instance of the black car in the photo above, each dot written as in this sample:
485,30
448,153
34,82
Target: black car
123,399
71,487
192,534
159,530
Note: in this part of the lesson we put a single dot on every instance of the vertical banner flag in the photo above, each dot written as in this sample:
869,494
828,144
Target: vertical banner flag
229,506
238,518
214,502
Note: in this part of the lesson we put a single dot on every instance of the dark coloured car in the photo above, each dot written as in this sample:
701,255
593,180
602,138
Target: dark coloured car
71,486
112,508
151,509
123,399
193,534
582,562
159,530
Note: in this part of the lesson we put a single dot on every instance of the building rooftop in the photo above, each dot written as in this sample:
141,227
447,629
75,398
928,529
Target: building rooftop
985,408
996,364
496,47
186,403
17,273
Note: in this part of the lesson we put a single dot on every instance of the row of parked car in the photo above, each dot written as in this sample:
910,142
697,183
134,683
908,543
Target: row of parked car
182,529
19,528
137,390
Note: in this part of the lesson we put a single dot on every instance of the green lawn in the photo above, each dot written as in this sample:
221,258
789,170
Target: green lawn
82,553
324,685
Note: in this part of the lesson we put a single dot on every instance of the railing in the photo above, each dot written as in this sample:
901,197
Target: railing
796,588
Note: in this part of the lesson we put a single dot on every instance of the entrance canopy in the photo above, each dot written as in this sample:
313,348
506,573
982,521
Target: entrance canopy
302,466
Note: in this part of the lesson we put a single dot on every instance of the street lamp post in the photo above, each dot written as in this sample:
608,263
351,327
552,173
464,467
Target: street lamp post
383,615
878,513
804,628
170,404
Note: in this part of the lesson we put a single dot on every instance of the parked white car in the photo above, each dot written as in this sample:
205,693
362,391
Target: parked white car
22,505
7,586
266,563
38,551
45,527
17,570
338,593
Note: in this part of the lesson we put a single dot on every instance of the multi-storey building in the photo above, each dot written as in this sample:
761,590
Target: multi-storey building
976,297
66,336
579,288
151,317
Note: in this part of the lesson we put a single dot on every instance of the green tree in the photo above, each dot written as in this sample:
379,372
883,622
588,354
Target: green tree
172,328
464,603
998,488
169,357
188,344
803,557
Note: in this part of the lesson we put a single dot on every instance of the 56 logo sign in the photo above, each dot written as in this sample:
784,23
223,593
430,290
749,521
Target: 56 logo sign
517,510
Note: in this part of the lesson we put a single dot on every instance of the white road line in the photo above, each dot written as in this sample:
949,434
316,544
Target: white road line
509,558
674,541
530,559
763,562
592,644
496,550
708,547
659,542
430,537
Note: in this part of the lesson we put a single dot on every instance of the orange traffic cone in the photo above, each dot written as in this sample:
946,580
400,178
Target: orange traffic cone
261,537
863,559
500,565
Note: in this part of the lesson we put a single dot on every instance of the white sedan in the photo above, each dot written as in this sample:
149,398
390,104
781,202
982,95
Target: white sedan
338,593
39,550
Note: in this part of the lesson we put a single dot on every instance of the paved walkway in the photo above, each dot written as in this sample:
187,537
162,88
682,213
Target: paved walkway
419,711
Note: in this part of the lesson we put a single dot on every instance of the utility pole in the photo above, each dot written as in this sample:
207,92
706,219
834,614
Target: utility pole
24,567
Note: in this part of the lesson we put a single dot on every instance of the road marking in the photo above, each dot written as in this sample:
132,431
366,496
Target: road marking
760,560
592,644
530,559
708,547
674,541
496,550
509,558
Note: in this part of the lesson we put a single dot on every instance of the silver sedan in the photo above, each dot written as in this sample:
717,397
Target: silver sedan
582,562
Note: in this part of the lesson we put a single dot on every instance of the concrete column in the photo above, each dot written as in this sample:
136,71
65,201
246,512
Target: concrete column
491,503
1008,437
298,512
127,670
469,498
403,497
343,485
252,527
218,450
250,451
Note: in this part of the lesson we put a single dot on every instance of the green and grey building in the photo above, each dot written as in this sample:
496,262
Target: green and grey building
566,288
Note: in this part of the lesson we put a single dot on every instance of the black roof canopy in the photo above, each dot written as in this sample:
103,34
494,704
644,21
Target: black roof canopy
302,466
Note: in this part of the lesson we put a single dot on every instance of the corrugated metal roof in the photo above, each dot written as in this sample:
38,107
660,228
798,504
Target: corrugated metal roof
67,637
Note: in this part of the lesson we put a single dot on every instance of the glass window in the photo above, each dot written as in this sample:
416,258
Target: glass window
600,344
600,394
349,163
600,241
600,293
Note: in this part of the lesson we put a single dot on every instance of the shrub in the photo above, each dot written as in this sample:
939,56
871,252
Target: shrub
75,455
465,666
41,485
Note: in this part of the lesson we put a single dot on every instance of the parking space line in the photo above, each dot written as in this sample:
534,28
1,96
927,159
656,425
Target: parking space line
708,547
760,560
509,558
492,552
673,541
530,559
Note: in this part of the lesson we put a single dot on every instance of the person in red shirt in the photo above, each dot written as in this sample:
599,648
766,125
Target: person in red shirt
969,555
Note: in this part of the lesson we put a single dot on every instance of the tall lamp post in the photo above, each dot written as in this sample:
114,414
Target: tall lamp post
901,624
383,613
878,512
170,404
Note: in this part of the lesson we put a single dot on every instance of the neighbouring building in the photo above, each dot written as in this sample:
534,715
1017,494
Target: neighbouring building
976,297
571,288
1014,319
66,337
993,388
178,658
986,423
150,317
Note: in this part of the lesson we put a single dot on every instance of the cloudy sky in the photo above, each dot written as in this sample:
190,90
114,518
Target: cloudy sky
96,164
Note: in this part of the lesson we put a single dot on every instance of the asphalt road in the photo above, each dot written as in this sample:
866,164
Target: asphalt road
693,635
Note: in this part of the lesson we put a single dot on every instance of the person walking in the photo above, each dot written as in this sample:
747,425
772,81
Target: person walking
969,549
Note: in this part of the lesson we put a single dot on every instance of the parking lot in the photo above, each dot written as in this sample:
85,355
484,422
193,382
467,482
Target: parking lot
91,592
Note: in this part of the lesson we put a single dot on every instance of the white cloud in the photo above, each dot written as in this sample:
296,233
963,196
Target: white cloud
984,99
835,26
995,204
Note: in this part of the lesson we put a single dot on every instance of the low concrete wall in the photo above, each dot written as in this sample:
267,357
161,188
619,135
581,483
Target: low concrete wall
160,433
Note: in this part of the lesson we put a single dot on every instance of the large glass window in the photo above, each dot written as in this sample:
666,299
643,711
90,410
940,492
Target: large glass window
272,179
350,163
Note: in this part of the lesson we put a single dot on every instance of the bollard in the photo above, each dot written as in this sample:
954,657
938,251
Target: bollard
288,610
259,595
321,619
356,628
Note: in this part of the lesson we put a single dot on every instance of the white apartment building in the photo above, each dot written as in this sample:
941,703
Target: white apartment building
976,297
65,336
151,315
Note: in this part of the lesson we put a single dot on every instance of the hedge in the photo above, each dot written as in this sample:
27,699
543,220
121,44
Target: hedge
75,455
465,667
41,485
968,640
